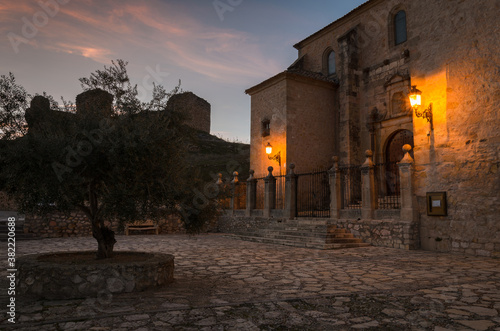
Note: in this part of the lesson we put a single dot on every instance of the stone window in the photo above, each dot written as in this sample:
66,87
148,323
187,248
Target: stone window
329,67
400,27
266,128
331,63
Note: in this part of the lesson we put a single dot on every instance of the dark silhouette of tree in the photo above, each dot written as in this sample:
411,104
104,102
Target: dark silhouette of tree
112,163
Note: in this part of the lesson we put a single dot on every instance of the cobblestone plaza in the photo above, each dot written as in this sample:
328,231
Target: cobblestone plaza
227,284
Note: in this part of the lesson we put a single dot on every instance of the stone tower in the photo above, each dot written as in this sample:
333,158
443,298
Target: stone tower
196,109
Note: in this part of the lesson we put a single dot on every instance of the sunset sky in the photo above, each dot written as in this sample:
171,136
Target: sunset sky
217,49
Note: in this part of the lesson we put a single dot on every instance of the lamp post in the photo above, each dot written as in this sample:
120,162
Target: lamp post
276,157
415,96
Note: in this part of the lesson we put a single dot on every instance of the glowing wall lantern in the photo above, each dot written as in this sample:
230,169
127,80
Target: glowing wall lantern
269,149
276,157
415,96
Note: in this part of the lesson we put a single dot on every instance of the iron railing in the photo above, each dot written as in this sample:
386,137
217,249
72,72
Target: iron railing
313,194
240,195
350,180
313,191
388,185
224,197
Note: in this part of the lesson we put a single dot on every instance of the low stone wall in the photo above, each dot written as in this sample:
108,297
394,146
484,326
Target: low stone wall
230,224
51,279
57,225
471,237
173,224
384,233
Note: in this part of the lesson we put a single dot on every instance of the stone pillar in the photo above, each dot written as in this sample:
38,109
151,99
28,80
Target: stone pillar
290,211
368,191
219,180
222,195
335,189
406,186
349,72
269,193
234,191
251,194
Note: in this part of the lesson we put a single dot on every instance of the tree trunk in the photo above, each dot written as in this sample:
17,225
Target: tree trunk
105,236
105,241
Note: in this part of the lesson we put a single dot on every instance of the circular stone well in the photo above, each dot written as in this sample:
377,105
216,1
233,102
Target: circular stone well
75,275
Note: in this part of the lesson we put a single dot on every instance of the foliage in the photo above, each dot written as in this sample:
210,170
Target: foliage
115,80
13,102
127,165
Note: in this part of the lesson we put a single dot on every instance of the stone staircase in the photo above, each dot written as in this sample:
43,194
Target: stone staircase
309,233
19,233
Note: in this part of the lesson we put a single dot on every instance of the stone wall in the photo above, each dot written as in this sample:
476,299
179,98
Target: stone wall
384,233
268,104
196,109
58,225
302,137
451,54
310,140
371,71
457,71
90,278
173,224
232,224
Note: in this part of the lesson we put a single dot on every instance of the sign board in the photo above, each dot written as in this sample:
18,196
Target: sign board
436,204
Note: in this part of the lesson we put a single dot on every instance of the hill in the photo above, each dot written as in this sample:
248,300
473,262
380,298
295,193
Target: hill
210,155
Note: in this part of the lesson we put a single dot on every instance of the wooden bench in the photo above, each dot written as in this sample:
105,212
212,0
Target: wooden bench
140,226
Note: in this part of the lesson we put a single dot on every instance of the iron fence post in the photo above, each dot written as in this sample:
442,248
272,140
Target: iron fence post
290,211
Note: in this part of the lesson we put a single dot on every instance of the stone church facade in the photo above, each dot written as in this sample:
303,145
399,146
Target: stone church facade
347,92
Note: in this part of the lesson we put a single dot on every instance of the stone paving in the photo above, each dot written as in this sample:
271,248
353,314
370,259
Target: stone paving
226,284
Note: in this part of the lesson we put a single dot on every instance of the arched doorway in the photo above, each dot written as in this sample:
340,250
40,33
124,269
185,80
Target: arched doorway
393,154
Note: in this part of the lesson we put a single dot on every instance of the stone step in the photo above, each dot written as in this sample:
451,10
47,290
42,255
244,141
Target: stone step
19,233
343,240
300,234
303,229
314,233
305,222
324,230
298,244
277,241
19,236
346,245
303,239
318,237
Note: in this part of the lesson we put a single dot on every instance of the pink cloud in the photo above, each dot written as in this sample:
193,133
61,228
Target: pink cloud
105,30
